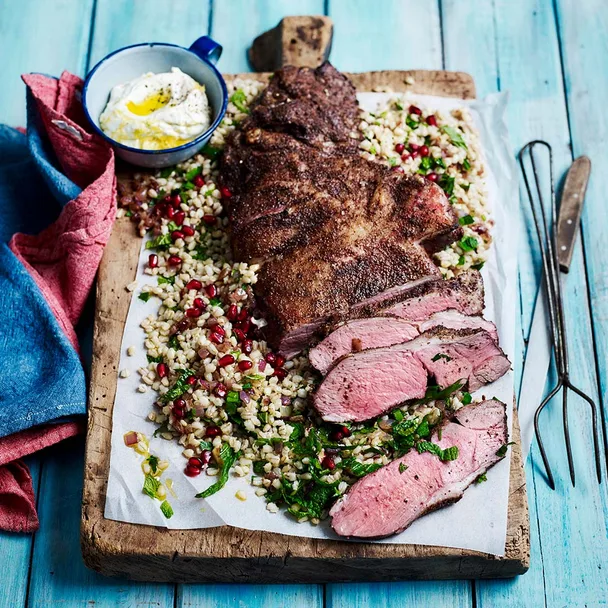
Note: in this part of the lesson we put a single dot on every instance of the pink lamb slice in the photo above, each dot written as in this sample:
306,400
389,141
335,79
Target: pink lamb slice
391,499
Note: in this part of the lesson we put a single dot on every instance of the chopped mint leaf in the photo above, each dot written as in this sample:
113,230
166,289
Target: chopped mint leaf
190,175
433,448
468,243
359,469
151,485
239,99
227,458
502,450
162,241
153,462
461,260
158,359
258,468
188,185
455,136
170,280
465,187
211,151
426,163
174,342
205,445
392,161
438,162
215,301
466,398
129,213
144,295
179,387
478,266
447,183
466,165
402,467
398,105
411,123
165,173
165,507
398,415
441,356
466,220
483,477
435,393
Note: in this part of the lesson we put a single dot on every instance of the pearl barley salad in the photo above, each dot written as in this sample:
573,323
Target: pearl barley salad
236,407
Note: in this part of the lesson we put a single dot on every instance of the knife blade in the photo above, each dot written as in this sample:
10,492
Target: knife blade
538,354
570,209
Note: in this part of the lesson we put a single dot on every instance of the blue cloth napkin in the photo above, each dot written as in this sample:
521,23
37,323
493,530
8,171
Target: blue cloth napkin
42,378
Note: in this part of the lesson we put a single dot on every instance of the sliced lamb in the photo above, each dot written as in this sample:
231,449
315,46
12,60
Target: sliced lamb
376,332
391,499
357,335
367,384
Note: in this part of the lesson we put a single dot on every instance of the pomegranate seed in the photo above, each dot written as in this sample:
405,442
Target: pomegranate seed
205,456
192,380
240,334
192,471
176,200
179,218
216,339
398,169
199,303
198,181
226,360
244,365
178,413
179,403
247,346
161,370
177,234
232,312
328,463
170,213
182,325
213,431
225,192
346,431
167,199
220,390
337,436
415,110
280,360
280,373
423,151
432,177
153,260
242,314
209,219
218,329
414,154
211,290
270,358
195,462
431,120
399,148
193,284
188,230
174,260
244,326
414,147
193,313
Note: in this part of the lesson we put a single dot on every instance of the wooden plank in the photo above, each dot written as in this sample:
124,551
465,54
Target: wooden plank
392,35
228,553
17,553
58,576
401,35
47,37
235,24
250,596
530,70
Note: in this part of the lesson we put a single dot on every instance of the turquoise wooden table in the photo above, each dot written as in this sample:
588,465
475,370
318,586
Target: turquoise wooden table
552,55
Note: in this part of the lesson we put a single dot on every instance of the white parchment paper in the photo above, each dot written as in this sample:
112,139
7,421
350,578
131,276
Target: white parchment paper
477,522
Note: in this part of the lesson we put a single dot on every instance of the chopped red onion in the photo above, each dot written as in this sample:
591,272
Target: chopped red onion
203,353
245,398
285,400
262,365
131,438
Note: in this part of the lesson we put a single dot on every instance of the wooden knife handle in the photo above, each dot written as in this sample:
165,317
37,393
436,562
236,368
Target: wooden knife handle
301,41
570,209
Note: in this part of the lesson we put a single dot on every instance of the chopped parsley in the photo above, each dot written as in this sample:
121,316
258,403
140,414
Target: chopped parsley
151,359
466,398
153,462
411,123
227,459
483,477
468,243
433,448
466,165
258,468
144,295
426,163
466,220
441,356
173,342
162,280
447,183
455,136
215,301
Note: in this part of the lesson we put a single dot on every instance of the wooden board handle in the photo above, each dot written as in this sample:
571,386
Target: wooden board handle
301,41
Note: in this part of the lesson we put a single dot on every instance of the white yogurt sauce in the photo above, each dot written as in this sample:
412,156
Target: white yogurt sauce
157,111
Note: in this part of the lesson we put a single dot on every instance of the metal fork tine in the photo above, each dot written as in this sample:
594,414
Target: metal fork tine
546,232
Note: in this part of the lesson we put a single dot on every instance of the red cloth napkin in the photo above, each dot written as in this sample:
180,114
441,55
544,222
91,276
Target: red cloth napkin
63,260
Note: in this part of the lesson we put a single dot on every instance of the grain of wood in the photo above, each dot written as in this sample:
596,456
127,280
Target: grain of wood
231,554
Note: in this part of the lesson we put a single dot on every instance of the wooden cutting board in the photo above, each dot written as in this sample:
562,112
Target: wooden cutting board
229,554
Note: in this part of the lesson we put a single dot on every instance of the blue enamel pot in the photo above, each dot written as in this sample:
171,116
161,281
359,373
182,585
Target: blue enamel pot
131,62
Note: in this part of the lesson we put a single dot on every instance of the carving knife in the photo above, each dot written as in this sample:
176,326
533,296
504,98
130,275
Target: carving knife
538,356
